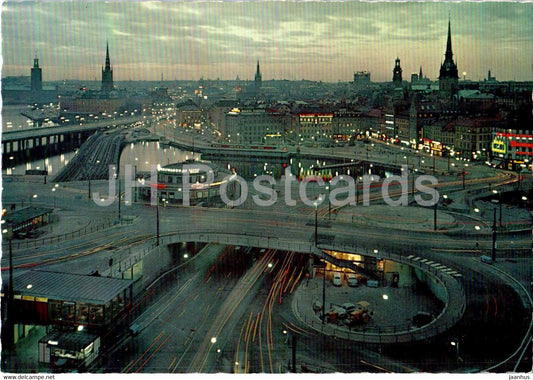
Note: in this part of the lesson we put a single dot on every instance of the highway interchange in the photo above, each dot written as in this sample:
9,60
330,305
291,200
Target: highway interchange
243,300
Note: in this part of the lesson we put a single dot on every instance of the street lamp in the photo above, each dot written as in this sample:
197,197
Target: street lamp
316,224
329,202
54,191
7,333
456,345
500,202
495,201
324,295
157,221
435,215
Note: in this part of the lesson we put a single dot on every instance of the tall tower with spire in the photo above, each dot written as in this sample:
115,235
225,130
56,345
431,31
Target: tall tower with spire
107,73
397,74
449,77
36,76
258,78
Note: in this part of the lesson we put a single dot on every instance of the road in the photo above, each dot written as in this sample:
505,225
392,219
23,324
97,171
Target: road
215,301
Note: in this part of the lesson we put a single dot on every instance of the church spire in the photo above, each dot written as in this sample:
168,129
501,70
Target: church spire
107,72
448,78
420,76
258,78
449,53
107,60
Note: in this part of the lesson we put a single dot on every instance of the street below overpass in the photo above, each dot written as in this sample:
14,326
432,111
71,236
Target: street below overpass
494,319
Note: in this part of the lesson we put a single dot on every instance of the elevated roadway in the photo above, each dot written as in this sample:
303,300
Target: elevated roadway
36,133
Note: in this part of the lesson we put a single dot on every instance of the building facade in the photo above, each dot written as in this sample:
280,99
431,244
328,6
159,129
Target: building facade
250,126
512,148
316,127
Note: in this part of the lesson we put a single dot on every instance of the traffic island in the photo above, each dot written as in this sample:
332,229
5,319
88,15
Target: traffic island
385,314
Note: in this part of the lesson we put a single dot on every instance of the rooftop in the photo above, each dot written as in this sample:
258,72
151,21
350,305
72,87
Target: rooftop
72,341
23,215
69,287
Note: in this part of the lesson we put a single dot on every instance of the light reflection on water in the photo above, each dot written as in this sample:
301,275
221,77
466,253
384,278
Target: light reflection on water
145,154
142,155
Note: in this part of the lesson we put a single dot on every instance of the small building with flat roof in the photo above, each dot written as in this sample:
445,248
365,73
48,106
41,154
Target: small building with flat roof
28,218
69,300
68,350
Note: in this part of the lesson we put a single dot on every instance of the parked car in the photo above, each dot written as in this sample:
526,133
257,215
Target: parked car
337,279
349,307
352,280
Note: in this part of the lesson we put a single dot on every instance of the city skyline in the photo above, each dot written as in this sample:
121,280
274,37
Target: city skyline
291,40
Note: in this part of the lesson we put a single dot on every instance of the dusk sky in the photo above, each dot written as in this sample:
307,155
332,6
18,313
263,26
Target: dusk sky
292,40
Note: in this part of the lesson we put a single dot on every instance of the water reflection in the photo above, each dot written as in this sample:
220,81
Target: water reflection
145,154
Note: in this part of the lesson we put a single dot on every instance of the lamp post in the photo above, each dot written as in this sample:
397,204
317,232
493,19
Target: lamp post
118,178
500,202
7,333
435,216
324,295
495,201
316,224
54,191
356,188
157,221
456,345
329,202
413,182
135,179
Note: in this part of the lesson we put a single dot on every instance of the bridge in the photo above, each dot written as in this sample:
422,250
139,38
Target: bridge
21,146
452,292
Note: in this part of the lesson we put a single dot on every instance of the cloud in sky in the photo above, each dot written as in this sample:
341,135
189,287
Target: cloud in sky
292,40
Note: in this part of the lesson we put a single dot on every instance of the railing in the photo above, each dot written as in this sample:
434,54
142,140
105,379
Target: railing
33,178
86,230
455,297
400,333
